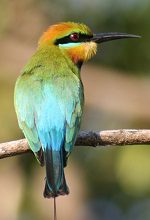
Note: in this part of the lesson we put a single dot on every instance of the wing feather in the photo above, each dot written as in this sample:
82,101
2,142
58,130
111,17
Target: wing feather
49,110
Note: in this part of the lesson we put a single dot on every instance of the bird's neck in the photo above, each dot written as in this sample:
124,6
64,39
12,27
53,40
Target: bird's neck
79,65
53,57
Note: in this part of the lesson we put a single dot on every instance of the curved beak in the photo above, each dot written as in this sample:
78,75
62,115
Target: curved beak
103,37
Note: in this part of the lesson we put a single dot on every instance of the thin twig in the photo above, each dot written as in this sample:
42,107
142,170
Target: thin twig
87,138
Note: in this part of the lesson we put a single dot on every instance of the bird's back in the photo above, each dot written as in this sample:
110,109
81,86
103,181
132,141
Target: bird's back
49,101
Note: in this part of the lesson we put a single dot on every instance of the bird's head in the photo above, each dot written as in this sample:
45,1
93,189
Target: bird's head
77,40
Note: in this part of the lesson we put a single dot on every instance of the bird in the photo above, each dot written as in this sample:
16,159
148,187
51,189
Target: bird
49,96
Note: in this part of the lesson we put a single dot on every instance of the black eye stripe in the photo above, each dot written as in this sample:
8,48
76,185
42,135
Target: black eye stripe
65,40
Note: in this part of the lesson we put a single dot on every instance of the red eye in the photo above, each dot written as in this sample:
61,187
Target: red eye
74,37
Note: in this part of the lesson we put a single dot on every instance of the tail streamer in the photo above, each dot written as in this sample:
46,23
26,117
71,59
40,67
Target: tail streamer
55,210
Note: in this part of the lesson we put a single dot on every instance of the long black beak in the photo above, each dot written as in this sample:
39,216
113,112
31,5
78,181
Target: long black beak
103,37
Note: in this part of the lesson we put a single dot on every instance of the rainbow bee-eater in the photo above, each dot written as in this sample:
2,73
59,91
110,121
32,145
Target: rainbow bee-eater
49,96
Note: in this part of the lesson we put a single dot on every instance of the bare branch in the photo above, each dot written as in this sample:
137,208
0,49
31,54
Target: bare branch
86,138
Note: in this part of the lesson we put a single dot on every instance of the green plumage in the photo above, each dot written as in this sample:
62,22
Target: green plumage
49,96
49,101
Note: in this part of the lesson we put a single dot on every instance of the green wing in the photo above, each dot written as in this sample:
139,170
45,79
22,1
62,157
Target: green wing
49,110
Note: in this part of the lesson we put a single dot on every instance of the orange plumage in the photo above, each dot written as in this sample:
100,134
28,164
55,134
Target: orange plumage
82,51
61,29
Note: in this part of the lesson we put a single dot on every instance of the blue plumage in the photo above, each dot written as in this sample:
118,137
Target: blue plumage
49,110
49,96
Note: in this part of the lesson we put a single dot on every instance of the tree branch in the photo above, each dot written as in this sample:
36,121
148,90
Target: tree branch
103,138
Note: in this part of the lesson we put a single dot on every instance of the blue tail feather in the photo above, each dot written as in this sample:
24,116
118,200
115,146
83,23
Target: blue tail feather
55,179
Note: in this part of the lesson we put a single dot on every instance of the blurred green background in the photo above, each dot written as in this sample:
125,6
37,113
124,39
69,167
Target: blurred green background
105,184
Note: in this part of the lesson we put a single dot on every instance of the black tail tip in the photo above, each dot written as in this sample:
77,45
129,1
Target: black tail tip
63,190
